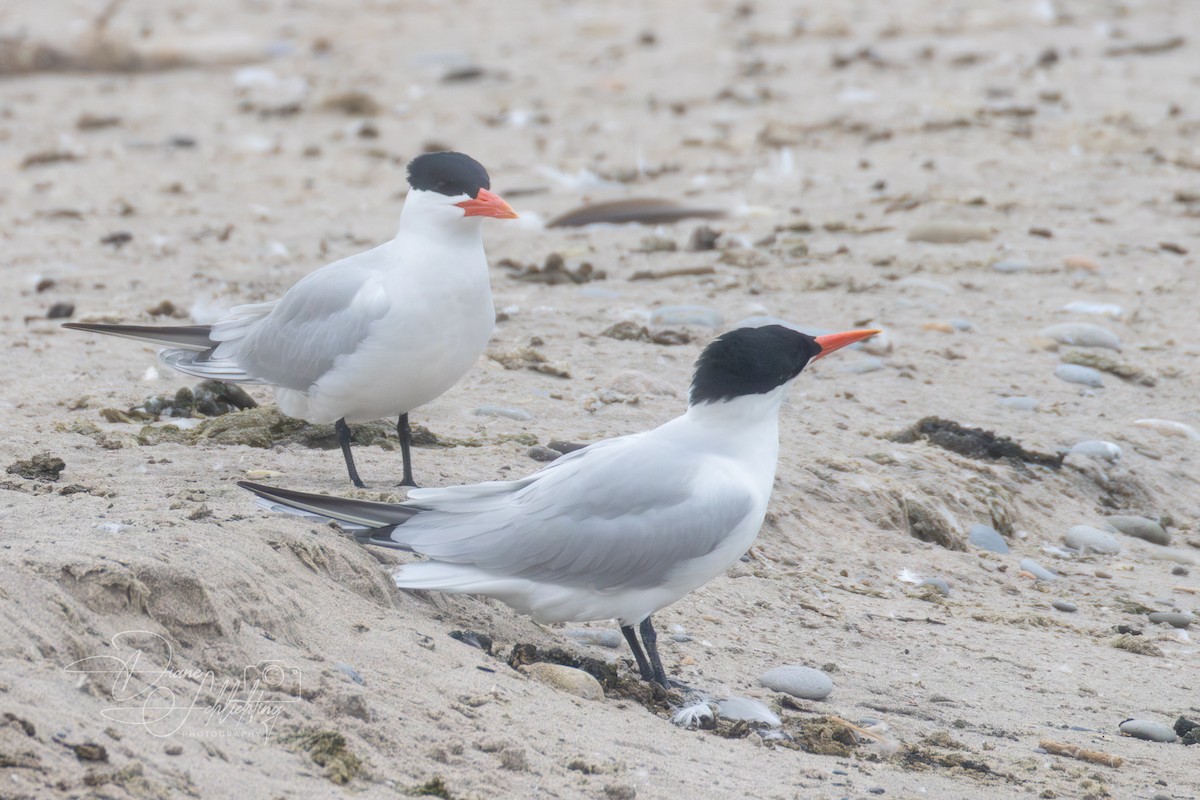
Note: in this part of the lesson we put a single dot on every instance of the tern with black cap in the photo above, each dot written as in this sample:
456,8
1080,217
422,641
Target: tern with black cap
620,528
370,336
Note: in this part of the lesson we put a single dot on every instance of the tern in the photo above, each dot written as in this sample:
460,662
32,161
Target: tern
373,335
620,528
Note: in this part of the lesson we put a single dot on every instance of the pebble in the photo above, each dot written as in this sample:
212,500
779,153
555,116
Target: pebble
1097,449
1081,262
1176,619
803,682
1011,265
1100,309
687,315
601,637
1169,428
541,453
987,538
749,710
1081,334
940,584
1063,605
566,679
518,414
1145,729
1037,570
1020,403
862,366
1089,539
1140,527
1180,570
949,233
1073,373
880,344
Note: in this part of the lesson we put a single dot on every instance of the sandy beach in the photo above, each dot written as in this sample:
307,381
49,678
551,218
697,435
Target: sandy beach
969,177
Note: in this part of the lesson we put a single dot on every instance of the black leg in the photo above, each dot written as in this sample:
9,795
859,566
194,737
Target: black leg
343,435
405,433
638,655
650,639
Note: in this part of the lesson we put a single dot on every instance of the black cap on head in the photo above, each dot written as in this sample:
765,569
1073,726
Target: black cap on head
450,174
750,361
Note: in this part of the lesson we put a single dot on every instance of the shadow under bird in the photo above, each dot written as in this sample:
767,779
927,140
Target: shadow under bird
373,335
620,528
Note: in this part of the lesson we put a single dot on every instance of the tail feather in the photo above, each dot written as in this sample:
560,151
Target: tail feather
369,521
186,337
203,365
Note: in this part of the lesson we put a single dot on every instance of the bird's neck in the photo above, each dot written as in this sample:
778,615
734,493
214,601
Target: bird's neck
744,425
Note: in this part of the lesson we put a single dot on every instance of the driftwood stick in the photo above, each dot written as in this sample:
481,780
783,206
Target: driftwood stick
1073,751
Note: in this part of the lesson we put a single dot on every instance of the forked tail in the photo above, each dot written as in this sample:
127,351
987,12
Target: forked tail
370,522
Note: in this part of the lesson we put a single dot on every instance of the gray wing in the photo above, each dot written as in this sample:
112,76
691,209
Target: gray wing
324,316
614,515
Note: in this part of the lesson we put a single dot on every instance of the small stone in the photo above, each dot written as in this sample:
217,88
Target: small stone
1089,539
1169,427
1099,309
1037,570
1081,262
565,679
1097,449
173,750
1081,334
1140,527
1063,605
803,682
862,366
519,414
601,637
1145,729
619,791
1073,373
747,709
687,315
350,672
61,310
987,538
541,453
90,751
1180,570
1011,265
1176,619
949,233
1020,403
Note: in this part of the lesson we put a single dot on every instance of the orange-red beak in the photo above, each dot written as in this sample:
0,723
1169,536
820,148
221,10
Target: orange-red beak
487,204
836,341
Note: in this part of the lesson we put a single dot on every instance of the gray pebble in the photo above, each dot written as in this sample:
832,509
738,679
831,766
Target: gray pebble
1011,265
1020,403
1140,527
1145,729
862,366
1073,373
680,637
1063,605
748,709
987,538
960,324
1081,334
1089,539
1097,449
940,584
601,637
803,682
540,453
518,414
1037,570
1176,619
687,315
1180,570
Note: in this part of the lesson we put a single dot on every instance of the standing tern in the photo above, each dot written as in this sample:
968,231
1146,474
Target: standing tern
616,530
374,335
